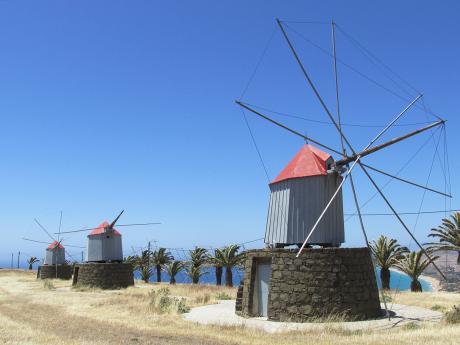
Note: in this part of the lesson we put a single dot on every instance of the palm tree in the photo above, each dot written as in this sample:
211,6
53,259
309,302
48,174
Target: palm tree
216,262
448,234
173,268
160,258
386,252
32,260
198,257
413,265
228,257
195,273
142,263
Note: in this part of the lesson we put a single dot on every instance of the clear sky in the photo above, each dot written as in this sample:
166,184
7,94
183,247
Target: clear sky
110,105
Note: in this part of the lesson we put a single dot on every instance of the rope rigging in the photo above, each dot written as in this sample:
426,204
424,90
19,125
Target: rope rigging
330,123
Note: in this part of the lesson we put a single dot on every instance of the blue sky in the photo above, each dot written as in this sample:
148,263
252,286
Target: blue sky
114,105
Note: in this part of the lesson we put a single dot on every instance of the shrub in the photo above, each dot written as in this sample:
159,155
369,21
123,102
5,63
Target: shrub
182,307
161,302
453,315
438,307
223,296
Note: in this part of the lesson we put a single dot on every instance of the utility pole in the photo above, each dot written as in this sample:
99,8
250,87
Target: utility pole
19,254
12,260
82,256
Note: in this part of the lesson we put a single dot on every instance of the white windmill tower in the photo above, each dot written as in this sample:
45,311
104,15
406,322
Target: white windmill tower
306,209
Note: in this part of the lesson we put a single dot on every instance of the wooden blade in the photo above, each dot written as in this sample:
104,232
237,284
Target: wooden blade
116,219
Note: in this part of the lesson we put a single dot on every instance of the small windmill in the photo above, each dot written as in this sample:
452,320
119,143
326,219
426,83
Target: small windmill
55,255
104,267
306,198
104,241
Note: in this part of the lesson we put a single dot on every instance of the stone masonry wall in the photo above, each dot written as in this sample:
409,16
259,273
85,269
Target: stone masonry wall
49,272
318,283
110,275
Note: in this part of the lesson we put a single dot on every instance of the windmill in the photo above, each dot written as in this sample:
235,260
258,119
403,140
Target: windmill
306,209
104,265
54,263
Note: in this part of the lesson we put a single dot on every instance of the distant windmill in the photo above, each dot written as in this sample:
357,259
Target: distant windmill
54,263
104,266
104,241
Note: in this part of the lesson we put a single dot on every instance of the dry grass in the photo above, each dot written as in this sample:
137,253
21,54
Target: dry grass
33,314
431,300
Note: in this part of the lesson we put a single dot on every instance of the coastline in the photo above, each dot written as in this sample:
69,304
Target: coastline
434,282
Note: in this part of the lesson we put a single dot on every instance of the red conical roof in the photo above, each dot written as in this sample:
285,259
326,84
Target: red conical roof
100,229
309,161
54,245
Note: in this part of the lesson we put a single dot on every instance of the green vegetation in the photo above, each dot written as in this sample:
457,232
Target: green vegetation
32,260
162,303
413,265
142,263
452,316
386,252
198,258
160,258
228,257
173,268
448,234
216,263
223,296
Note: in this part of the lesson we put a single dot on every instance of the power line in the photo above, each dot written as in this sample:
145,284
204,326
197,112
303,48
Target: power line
255,144
373,81
300,117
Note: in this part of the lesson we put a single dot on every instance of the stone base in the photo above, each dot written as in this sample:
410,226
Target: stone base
320,283
49,272
106,275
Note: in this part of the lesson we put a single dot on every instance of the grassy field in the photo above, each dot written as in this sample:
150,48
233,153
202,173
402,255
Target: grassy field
35,312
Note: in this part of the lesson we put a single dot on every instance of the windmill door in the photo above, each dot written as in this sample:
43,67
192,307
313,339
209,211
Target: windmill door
262,281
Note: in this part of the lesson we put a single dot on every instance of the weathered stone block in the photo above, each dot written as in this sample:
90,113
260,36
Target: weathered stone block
320,281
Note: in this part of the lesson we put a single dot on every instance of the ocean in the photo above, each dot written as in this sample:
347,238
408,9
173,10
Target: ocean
398,280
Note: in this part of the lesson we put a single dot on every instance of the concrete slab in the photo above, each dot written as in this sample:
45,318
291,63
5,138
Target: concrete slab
223,313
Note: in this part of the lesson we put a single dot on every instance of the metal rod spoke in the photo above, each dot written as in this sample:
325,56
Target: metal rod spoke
405,181
393,121
363,229
313,87
368,151
400,220
43,228
279,124
327,206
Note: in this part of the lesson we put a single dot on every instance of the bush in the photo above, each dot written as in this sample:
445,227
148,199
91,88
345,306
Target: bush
453,315
438,307
182,307
161,302
223,296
